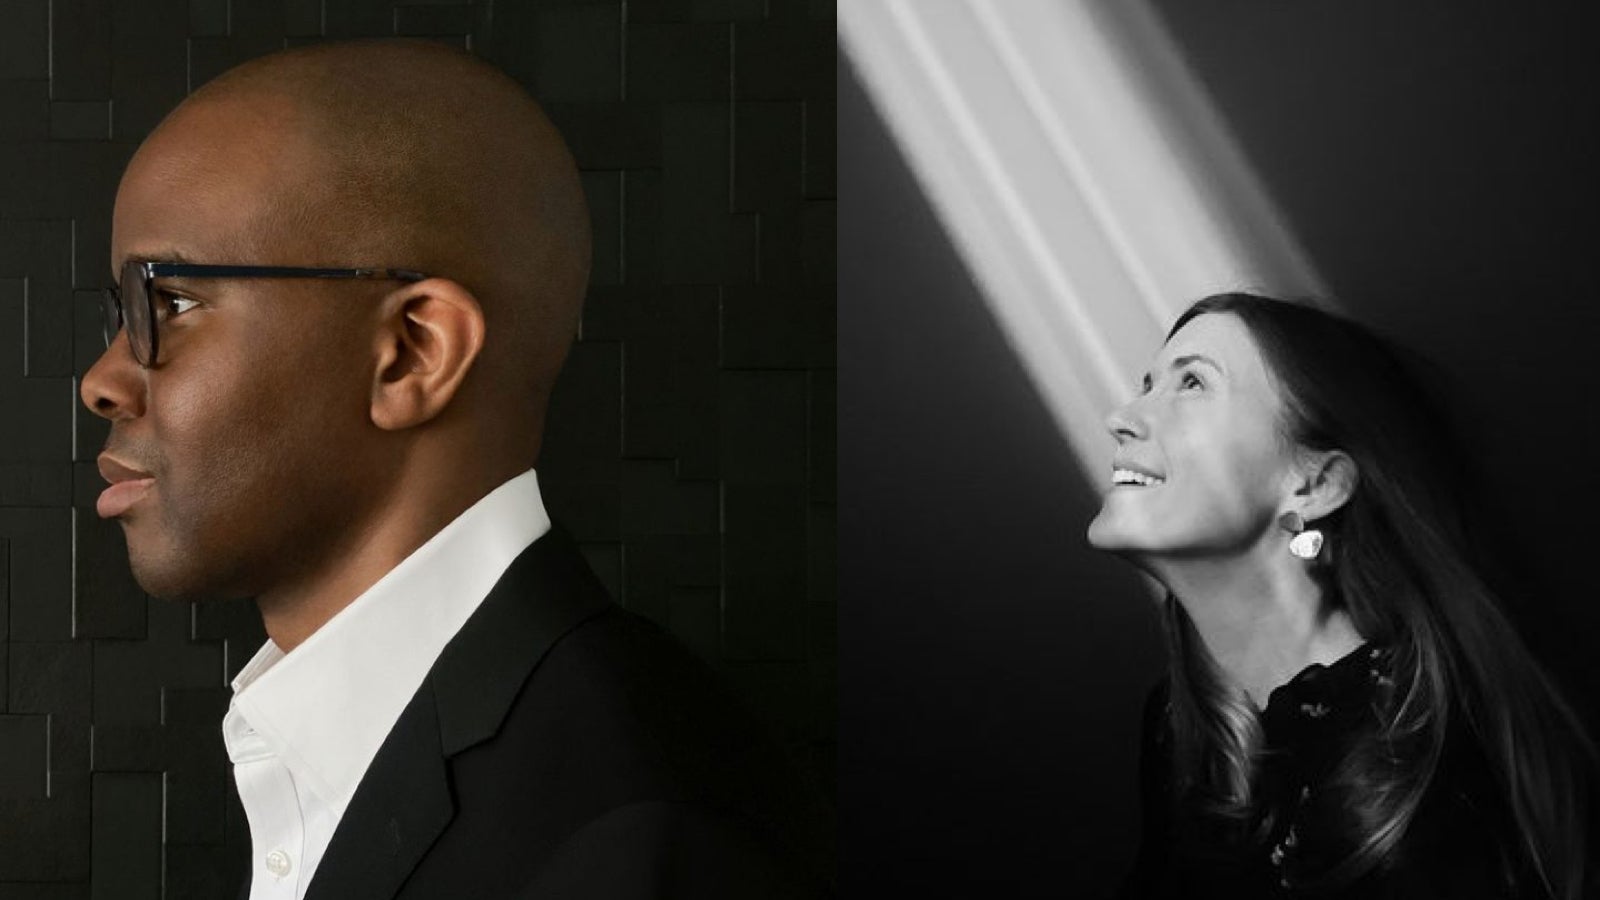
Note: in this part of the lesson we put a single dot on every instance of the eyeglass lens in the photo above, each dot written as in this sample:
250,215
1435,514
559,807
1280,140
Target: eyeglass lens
133,310
110,314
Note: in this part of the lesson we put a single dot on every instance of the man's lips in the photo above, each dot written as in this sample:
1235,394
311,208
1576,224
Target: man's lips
127,486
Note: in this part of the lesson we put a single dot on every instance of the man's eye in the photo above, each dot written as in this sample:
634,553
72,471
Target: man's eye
169,305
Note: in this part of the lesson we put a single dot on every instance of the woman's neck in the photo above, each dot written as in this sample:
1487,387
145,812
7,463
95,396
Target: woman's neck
1263,620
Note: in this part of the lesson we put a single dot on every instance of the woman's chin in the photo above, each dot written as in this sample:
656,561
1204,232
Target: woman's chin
1135,548
1105,533
1097,537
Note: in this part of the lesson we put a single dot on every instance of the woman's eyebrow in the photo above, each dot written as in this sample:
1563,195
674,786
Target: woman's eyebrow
1191,358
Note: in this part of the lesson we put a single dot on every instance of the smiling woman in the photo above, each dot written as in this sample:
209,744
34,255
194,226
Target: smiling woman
1347,712
1203,432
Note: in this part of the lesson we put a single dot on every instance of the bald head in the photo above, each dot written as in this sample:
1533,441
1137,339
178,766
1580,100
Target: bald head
404,154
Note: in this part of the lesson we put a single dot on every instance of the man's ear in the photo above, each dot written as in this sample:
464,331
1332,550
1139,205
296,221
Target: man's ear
1328,480
429,335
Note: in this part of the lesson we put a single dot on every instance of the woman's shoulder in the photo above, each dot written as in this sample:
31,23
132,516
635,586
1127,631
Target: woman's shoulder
1154,745
1328,742
1153,717
1462,841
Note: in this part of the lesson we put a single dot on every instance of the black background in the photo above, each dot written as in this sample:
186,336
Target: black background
1437,160
690,448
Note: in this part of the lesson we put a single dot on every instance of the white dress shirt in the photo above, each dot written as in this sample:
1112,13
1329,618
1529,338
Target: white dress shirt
303,726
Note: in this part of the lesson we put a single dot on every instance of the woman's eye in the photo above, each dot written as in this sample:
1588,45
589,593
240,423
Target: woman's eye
1191,381
1144,385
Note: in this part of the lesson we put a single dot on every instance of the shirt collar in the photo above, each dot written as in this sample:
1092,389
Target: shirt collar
325,707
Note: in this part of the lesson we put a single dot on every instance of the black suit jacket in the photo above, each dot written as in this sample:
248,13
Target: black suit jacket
562,747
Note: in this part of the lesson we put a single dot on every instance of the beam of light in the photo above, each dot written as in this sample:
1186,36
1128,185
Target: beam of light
1082,175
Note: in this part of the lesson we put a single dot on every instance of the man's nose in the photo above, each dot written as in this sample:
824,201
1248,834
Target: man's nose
114,386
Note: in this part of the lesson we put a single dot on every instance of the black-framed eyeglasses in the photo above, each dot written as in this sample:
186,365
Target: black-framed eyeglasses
133,303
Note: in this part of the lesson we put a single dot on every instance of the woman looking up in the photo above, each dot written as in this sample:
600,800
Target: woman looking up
1347,712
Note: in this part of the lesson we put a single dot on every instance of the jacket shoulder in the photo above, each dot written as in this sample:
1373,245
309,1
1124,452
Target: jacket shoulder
619,715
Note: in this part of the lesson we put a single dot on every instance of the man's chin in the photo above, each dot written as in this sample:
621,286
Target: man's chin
164,583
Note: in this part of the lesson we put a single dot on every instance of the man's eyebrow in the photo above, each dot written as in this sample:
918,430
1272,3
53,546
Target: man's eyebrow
164,256
1192,358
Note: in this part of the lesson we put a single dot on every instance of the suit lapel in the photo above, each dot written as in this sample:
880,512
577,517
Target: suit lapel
545,593
404,800
399,808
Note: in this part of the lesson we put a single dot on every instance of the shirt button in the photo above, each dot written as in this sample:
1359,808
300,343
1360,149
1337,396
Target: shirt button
278,863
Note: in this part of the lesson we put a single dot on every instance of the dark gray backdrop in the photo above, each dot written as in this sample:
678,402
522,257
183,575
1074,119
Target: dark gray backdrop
1438,160
691,446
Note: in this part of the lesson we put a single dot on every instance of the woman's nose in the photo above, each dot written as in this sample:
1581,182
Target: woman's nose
1125,422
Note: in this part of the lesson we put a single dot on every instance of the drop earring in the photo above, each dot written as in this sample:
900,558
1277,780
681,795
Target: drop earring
1307,542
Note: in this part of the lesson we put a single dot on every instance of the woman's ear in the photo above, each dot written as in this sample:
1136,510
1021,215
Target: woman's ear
430,335
1329,481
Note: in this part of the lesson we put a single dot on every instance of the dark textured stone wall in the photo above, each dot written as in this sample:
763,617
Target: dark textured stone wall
690,449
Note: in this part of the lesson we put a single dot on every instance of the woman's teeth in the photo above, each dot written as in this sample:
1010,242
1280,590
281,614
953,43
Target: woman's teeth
1128,476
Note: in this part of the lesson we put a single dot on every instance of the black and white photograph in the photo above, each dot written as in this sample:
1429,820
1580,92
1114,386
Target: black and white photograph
1217,428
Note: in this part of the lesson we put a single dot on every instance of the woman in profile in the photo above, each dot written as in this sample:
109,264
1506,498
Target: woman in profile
1347,713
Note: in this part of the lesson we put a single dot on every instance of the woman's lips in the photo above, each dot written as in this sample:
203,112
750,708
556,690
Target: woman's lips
115,500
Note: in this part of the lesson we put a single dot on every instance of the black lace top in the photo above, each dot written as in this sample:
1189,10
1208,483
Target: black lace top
1456,847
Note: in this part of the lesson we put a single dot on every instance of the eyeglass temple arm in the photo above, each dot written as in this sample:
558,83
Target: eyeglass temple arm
182,270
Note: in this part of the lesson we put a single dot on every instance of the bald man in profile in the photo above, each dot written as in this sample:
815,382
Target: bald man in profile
347,278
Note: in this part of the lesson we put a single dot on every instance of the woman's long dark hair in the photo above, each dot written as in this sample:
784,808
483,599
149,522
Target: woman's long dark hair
1401,563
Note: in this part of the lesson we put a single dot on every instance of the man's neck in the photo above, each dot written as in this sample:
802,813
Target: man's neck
401,522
